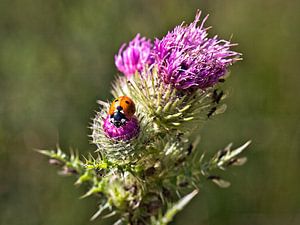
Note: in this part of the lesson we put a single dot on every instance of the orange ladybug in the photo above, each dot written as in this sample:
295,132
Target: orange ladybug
121,110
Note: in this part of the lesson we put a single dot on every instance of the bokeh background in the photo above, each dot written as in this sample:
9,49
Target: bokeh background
57,59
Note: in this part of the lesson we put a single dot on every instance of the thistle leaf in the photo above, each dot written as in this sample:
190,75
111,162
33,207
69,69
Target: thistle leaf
175,208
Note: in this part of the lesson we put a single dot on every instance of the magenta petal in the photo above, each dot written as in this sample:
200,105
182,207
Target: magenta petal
124,133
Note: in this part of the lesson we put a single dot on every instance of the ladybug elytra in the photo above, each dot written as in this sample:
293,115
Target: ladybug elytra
121,110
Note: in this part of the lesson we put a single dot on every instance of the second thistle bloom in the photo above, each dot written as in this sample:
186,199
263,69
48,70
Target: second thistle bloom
134,57
187,59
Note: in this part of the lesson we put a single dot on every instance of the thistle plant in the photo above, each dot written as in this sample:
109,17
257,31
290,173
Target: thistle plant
147,165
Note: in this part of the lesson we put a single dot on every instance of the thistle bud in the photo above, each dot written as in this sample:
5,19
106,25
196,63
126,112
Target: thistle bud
123,133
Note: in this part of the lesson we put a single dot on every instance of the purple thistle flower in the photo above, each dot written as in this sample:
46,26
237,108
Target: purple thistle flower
123,133
187,59
135,57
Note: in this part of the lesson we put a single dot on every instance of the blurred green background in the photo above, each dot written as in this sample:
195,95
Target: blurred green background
57,59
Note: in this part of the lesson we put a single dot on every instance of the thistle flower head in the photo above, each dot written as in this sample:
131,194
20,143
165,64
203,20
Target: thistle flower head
134,57
187,59
124,133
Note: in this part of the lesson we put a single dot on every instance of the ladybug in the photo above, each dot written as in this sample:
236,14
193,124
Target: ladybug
121,110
